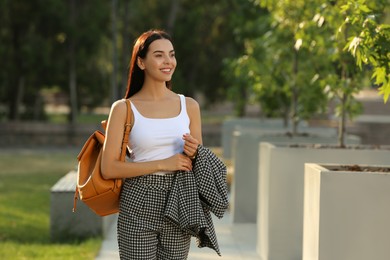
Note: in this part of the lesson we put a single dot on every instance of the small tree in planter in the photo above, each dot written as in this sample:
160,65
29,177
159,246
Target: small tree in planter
344,20
339,76
286,82
315,27
278,68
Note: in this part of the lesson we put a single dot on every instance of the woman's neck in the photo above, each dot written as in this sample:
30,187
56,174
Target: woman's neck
154,91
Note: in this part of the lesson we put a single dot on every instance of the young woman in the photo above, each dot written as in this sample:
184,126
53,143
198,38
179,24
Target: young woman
164,139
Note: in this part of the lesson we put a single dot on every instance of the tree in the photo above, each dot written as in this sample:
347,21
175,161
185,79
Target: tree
88,24
46,45
27,42
36,38
369,43
344,81
338,76
291,64
242,70
319,40
204,38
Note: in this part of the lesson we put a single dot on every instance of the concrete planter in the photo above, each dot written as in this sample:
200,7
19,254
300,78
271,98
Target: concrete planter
281,185
346,213
229,126
245,153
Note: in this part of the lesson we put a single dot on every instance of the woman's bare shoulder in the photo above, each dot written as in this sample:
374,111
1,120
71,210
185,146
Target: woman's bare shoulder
192,103
118,106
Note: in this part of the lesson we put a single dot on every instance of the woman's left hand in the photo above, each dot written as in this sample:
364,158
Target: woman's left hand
190,146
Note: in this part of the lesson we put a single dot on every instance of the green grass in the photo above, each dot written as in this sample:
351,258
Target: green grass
25,181
82,118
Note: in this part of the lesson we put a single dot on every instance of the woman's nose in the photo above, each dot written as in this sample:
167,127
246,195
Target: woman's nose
167,60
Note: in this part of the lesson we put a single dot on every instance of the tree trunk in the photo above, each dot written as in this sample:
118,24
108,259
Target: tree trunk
37,109
114,83
126,47
342,120
16,87
241,103
343,99
295,94
17,98
286,117
72,88
175,6
72,66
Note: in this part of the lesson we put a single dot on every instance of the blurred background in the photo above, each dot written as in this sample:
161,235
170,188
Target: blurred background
67,61
63,63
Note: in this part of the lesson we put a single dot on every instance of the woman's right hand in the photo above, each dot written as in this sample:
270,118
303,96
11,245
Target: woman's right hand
178,162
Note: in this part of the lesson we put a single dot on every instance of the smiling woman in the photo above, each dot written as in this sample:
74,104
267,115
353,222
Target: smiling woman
164,139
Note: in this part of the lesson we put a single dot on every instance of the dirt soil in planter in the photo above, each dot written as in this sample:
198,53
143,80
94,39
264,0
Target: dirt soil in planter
350,168
335,146
359,168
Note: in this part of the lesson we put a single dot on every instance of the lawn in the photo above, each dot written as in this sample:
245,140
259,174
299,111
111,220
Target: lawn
26,177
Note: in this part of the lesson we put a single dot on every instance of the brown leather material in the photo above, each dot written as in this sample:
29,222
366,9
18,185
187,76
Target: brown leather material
99,194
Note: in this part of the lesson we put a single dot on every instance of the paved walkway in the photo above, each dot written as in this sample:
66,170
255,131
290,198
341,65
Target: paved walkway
236,242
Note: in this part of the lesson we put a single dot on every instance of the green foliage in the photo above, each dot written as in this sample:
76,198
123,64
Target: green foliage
243,70
203,35
278,65
369,42
36,38
25,182
305,56
281,45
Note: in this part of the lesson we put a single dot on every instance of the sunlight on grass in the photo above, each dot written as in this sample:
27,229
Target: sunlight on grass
26,177
84,250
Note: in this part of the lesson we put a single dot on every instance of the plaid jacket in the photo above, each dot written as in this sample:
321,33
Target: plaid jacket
195,194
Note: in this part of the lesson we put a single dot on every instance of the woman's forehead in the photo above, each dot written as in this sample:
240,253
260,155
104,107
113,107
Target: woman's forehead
161,45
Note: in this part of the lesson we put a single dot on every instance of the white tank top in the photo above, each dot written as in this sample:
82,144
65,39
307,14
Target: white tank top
158,138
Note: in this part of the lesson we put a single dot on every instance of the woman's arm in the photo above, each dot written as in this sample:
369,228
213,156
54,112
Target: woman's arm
195,136
111,165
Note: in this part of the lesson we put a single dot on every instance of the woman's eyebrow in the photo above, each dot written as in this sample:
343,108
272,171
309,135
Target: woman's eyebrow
158,51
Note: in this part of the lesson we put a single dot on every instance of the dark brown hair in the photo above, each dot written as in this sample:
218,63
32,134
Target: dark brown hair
136,75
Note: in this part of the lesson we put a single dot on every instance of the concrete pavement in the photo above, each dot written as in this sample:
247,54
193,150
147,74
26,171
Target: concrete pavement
236,242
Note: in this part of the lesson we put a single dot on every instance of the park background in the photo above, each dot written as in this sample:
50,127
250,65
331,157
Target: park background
65,62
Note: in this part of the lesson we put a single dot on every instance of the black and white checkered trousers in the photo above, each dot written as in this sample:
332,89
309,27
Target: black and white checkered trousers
142,231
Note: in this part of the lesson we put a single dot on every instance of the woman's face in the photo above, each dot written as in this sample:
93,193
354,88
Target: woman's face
160,62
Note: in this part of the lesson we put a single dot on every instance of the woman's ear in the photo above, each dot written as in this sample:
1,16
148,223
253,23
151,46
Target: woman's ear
140,63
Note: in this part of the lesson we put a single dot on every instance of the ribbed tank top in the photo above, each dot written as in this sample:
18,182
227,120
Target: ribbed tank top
158,138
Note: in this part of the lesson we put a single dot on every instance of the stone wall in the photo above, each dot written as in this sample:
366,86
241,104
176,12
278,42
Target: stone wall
372,129
32,134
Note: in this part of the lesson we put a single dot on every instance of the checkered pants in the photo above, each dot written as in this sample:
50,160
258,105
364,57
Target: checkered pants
142,231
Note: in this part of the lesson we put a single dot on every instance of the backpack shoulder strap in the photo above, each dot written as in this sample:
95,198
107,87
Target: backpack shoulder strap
128,127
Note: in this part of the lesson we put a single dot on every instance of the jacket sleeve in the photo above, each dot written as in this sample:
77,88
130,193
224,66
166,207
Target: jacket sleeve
210,177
